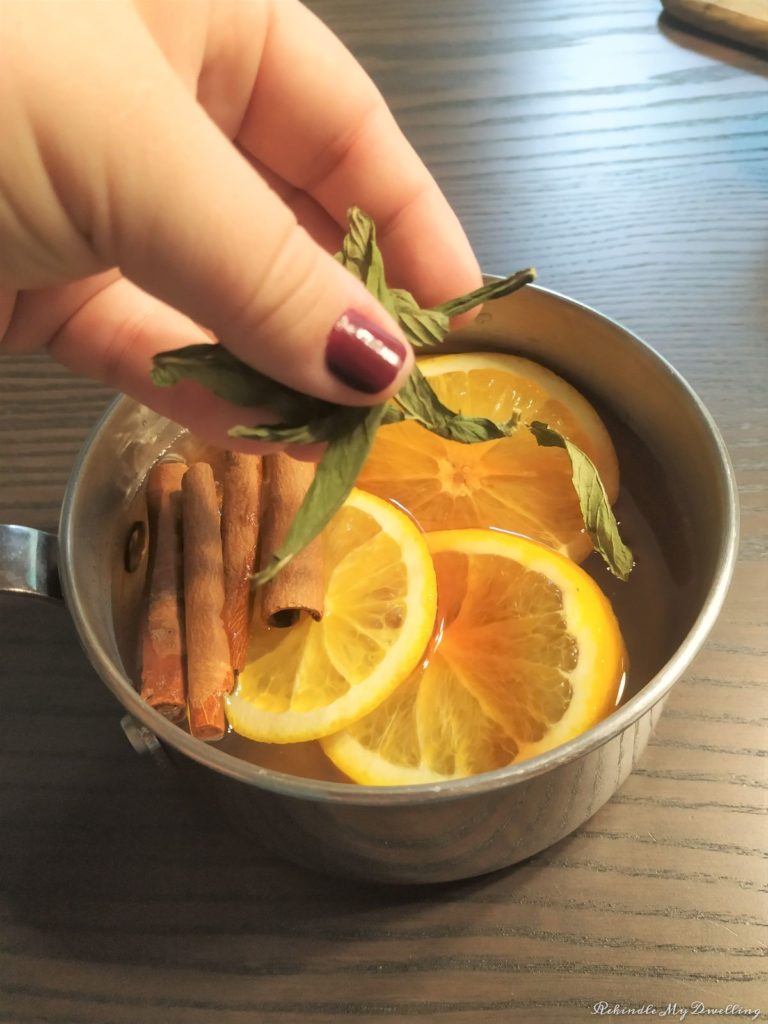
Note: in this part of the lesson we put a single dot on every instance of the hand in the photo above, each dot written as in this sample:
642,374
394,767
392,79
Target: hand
167,165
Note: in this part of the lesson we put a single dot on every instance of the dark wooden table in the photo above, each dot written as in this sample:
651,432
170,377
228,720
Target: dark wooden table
627,160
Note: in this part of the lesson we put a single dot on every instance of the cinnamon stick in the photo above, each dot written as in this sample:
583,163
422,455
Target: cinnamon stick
162,642
299,586
209,673
239,535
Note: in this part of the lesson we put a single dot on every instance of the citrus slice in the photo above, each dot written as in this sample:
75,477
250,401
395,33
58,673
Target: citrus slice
512,483
380,600
528,655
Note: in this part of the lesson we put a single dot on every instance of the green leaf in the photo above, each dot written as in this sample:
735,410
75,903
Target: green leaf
392,414
361,255
420,403
334,478
348,431
596,510
423,327
216,369
319,431
494,290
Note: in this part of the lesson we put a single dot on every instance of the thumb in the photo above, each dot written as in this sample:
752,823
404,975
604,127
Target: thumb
188,219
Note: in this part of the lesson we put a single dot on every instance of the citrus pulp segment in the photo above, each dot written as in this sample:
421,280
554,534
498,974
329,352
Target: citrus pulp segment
510,484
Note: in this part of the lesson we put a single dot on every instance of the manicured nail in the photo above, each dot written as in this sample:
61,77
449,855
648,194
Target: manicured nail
362,355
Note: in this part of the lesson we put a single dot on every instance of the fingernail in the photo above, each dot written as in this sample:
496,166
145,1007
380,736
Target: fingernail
362,355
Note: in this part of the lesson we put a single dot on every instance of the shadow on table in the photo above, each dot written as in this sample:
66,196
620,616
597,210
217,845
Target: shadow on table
106,860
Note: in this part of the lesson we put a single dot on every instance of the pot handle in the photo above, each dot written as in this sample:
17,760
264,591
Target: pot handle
29,566
29,562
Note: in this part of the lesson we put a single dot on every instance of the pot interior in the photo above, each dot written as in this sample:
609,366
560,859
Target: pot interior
677,504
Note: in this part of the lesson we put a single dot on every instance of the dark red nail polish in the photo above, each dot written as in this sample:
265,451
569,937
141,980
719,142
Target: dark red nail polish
362,355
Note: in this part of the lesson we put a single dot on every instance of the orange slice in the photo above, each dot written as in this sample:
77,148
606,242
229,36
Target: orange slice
511,484
316,677
530,655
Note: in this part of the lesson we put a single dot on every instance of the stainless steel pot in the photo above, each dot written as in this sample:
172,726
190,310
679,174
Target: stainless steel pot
414,833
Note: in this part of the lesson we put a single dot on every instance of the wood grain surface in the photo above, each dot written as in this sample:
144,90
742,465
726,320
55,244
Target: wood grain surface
628,161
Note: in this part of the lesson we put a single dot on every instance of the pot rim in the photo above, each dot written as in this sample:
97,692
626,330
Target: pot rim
350,794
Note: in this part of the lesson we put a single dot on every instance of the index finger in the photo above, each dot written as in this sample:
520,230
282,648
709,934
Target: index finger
318,121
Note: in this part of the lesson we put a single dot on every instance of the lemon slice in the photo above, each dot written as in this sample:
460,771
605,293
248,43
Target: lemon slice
510,484
529,655
317,677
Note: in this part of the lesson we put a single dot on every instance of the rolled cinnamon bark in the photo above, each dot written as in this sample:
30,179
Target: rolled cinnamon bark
299,586
239,535
162,644
209,673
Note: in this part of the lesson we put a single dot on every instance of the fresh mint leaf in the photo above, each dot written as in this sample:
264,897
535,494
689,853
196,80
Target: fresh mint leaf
392,414
424,328
361,255
348,431
494,290
595,508
215,368
320,431
334,479
420,403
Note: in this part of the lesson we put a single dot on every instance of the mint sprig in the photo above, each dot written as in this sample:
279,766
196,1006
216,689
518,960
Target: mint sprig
595,508
349,432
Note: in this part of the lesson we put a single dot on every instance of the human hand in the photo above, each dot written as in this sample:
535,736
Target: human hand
167,165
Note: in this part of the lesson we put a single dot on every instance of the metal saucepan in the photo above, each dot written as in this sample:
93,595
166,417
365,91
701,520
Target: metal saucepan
679,469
